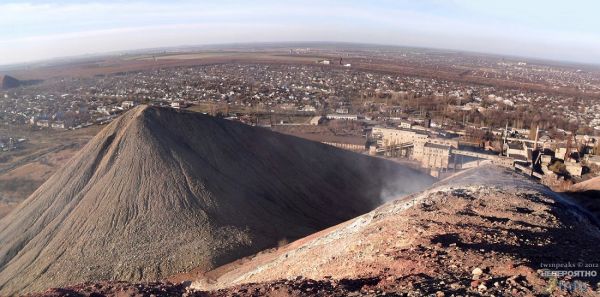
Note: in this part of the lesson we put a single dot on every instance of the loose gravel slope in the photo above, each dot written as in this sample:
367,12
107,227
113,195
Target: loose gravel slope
158,192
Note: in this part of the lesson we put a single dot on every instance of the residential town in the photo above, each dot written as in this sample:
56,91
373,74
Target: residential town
442,125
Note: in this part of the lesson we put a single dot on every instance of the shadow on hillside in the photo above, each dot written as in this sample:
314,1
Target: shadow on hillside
590,200
566,246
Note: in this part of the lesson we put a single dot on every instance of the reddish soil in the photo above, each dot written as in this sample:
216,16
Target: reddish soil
484,232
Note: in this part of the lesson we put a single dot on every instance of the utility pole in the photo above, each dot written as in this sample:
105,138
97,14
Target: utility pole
577,147
568,151
535,145
505,137
537,132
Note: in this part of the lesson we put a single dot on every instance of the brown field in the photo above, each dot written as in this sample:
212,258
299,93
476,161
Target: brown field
213,108
23,171
144,62
115,65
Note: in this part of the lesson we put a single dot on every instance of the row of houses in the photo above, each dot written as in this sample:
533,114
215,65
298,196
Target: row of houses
58,124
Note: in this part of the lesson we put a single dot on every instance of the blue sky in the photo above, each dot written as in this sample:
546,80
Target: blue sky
558,30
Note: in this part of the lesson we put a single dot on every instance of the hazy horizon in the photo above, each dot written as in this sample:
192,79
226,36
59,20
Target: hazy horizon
550,30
